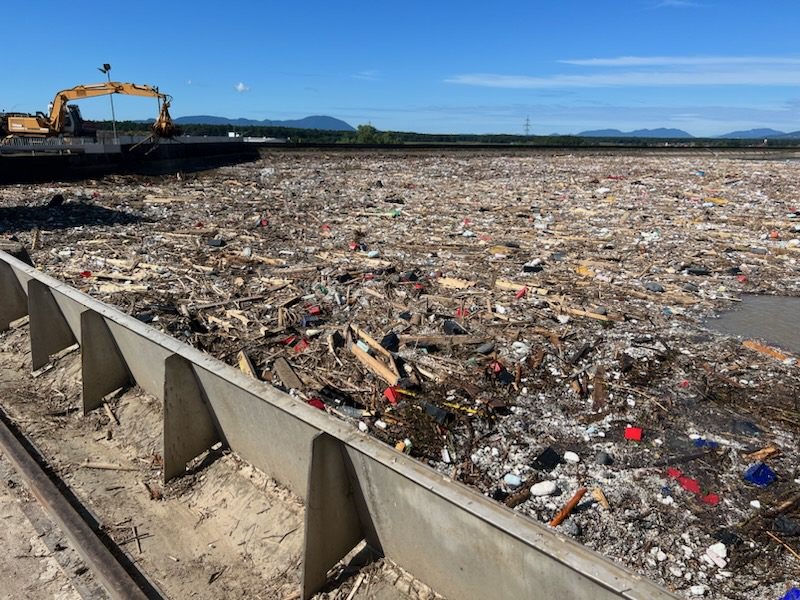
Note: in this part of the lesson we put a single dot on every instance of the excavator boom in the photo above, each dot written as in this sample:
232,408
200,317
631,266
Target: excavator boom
53,124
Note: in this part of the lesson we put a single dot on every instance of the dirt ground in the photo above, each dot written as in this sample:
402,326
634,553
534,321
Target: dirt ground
533,302
28,569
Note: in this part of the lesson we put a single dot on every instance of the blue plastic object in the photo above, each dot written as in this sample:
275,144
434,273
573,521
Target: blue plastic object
760,475
309,320
703,443
792,594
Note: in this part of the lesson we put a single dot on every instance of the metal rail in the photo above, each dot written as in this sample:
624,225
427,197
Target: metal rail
447,535
109,572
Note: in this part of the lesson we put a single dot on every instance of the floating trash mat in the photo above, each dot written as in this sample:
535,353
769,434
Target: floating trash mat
774,319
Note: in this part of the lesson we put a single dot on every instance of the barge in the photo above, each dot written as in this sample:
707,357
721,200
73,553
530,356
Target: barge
51,160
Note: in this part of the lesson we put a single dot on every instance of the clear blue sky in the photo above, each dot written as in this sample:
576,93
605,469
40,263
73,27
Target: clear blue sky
705,66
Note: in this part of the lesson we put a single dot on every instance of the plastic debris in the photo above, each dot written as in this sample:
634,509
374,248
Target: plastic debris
760,474
392,395
485,348
703,443
792,594
716,554
633,433
692,485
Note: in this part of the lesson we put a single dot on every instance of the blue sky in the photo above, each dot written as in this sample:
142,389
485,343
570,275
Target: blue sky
705,66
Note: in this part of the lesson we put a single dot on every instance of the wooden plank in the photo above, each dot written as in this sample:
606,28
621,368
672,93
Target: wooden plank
287,374
577,312
370,341
454,283
374,365
246,365
513,286
228,301
764,349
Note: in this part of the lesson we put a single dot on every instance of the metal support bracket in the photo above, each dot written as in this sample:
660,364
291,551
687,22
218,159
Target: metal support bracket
102,366
332,523
189,428
49,329
13,302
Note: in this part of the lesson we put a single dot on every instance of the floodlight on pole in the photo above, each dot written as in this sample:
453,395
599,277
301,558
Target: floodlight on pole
106,68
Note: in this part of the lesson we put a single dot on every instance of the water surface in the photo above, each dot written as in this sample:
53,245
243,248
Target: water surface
772,319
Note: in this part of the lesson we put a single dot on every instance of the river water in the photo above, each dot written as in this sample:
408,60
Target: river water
773,319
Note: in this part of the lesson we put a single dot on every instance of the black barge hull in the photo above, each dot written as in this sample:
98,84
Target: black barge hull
69,164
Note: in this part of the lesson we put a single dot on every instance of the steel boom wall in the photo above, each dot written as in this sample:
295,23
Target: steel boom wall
447,535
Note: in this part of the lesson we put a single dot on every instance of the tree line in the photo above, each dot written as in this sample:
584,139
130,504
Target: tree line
369,135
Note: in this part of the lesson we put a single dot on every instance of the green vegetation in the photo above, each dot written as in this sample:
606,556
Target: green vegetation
299,136
367,134
370,136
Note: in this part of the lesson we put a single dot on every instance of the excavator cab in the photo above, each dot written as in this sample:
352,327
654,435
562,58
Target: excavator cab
74,124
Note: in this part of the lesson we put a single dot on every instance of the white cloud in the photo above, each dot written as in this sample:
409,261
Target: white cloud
655,71
654,61
630,79
678,4
368,75
241,87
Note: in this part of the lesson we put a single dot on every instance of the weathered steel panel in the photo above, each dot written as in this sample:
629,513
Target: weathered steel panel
13,301
189,429
50,332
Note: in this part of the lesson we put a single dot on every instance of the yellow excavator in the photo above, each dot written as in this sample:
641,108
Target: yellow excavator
65,119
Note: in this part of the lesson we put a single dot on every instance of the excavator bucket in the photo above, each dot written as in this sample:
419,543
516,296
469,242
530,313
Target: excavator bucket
164,127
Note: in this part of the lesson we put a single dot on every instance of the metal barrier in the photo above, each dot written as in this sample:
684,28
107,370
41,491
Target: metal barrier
447,535
23,143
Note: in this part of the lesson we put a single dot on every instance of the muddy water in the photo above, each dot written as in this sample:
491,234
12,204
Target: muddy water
773,319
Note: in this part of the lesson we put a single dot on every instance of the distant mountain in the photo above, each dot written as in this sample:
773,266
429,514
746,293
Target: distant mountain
764,132
313,122
602,133
640,133
758,134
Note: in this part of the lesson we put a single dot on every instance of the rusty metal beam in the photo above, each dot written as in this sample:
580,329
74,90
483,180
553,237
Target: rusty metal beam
105,567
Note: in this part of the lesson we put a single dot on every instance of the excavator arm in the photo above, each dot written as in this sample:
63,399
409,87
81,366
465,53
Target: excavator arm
163,125
53,124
